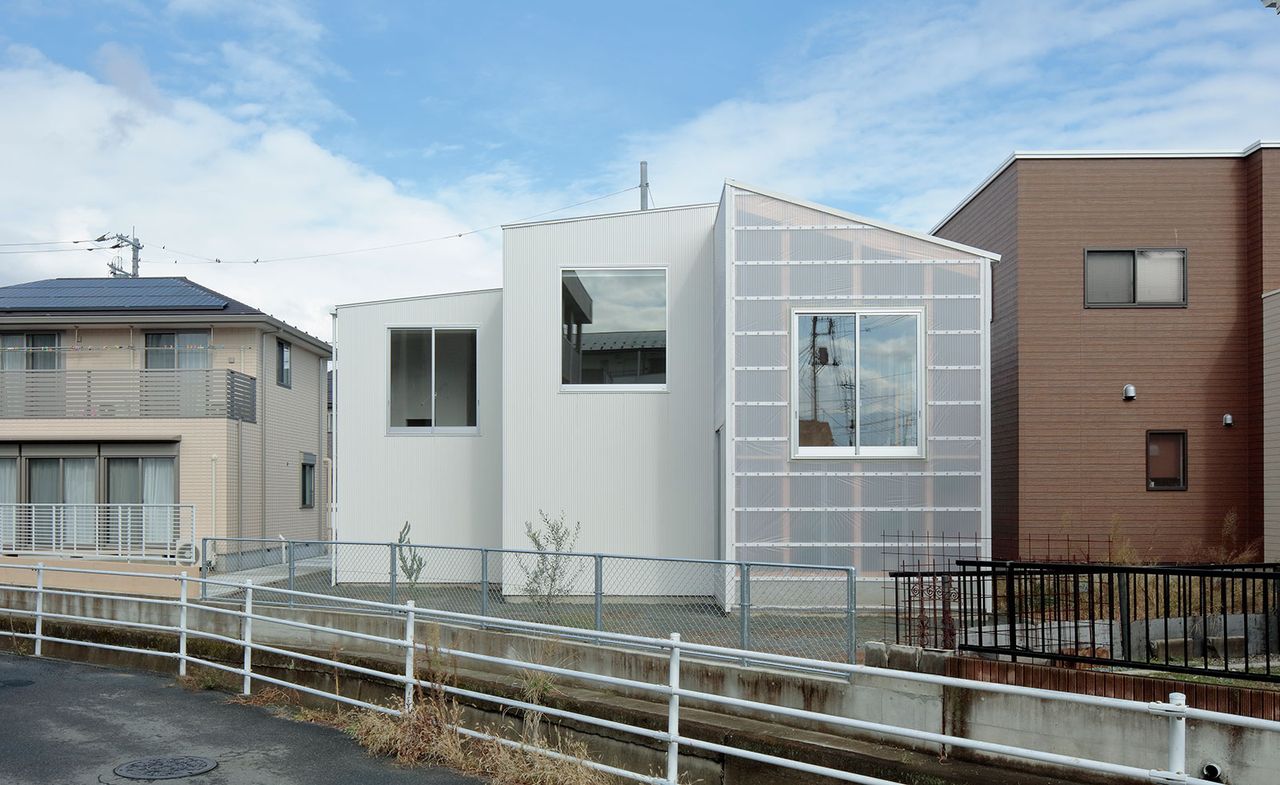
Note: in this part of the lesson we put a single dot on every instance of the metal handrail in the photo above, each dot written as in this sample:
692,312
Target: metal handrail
1175,711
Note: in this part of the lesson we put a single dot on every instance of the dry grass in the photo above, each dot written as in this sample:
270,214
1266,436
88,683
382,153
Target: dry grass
270,695
426,736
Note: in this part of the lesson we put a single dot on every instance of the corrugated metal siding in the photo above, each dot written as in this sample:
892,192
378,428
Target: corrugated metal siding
786,255
446,487
636,469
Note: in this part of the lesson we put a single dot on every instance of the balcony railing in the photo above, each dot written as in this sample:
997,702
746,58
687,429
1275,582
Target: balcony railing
128,393
134,532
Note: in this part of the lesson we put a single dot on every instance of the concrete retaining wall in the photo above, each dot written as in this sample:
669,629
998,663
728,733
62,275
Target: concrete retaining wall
1102,734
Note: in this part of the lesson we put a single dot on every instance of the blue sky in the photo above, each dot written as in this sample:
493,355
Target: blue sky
244,130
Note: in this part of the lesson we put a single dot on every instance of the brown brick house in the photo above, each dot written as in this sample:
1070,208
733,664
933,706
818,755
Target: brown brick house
1118,269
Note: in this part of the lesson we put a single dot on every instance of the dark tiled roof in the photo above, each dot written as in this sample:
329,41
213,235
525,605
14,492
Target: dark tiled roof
634,339
114,295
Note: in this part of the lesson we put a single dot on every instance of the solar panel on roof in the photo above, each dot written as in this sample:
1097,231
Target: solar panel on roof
108,294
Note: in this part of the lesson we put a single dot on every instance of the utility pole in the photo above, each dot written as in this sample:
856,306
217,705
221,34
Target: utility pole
644,185
132,241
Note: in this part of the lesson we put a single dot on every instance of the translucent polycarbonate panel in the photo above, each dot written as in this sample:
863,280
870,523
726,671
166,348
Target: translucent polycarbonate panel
761,385
860,491
754,421
757,350
814,245
955,315
955,421
955,385
761,314
889,380
953,278
752,209
1108,277
1159,277
964,349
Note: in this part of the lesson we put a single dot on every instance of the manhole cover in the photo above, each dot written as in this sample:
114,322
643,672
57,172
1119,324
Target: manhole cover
165,768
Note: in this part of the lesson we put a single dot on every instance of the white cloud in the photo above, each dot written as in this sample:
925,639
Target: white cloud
898,111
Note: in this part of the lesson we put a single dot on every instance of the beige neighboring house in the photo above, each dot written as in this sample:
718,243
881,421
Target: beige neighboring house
139,416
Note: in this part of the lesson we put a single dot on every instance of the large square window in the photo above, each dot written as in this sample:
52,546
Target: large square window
857,384
433,379
1143,277
613,328
1166,460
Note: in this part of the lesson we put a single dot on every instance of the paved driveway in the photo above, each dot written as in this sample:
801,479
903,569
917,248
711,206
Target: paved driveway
63,723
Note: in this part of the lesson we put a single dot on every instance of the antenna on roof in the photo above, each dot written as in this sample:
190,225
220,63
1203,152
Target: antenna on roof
117,270
644,185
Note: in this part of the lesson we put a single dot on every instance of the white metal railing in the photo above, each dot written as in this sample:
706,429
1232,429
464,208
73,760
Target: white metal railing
125,392
1174,712
134,532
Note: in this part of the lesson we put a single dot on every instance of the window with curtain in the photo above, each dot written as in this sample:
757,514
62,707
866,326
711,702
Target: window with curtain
432,378
1141,277
857,389
145,489
1166,460
30,352
181,350
8,498
64,492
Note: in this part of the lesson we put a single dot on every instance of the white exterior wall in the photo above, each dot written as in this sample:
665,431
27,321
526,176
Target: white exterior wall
635,468
446,486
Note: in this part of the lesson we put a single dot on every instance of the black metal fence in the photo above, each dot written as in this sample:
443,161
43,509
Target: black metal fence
1208,619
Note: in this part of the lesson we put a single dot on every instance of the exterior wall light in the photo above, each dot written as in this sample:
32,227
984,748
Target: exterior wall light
1130,392
1227,421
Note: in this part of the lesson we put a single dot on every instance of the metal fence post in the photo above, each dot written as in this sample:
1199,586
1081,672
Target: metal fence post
409,651
247,686
1126,643
673,712
293,572
39,608
744,605
182,623
484,581
599,592
204,566
1011,610
391,573
851,622
1178,734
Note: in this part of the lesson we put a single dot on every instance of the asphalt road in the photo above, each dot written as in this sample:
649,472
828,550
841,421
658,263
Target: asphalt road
65,724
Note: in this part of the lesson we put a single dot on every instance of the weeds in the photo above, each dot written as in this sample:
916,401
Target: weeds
551,577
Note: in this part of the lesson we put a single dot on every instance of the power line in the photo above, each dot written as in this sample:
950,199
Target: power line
46,242
66,250
215,260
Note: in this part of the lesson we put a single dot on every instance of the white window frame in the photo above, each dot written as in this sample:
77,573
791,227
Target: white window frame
857,452
433,429
615,388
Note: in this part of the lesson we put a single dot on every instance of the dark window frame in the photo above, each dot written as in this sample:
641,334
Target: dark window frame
1133,250
1147,457
284,371
307,500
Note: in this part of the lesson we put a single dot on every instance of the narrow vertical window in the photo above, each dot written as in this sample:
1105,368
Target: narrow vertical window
1166,460
308,480
432,384
284,364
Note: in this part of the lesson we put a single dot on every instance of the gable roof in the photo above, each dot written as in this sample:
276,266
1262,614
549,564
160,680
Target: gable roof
116,299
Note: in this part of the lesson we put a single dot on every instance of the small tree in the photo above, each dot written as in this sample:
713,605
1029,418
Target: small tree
552,573
411,562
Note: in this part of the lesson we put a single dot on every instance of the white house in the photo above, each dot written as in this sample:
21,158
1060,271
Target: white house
760,379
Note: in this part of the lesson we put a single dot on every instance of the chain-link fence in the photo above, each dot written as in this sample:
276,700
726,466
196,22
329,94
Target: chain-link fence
801,610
